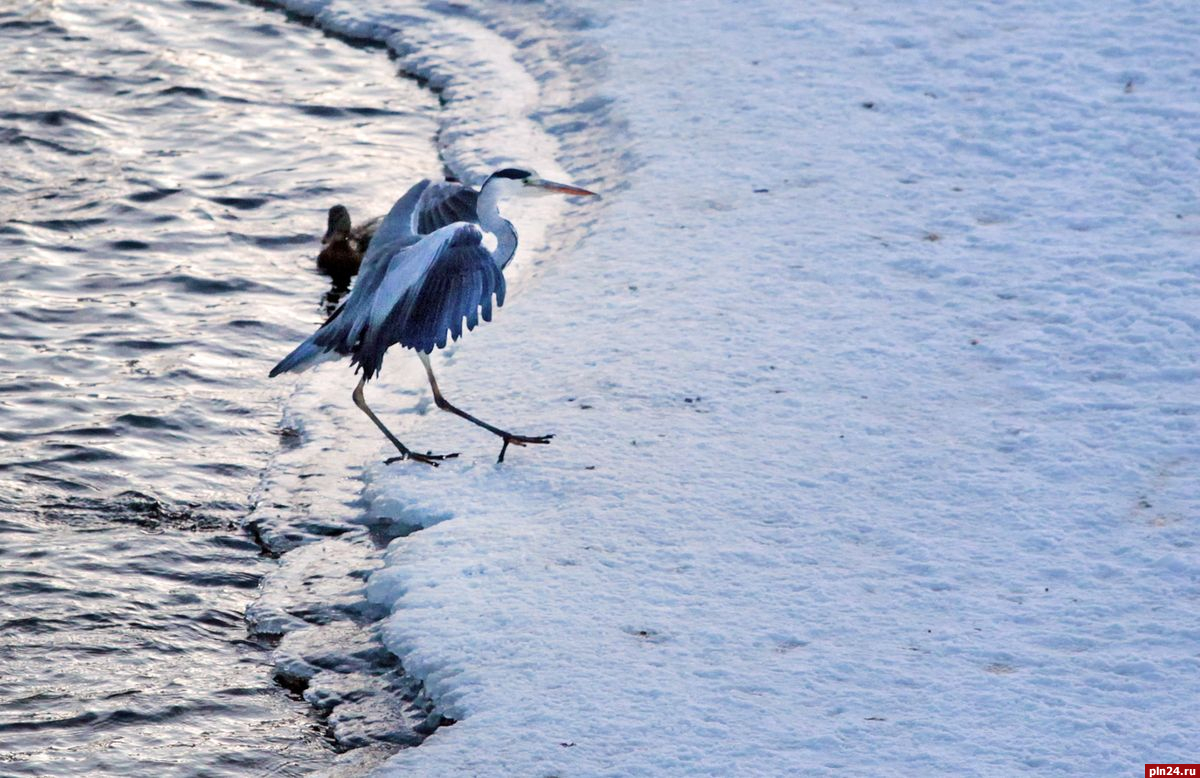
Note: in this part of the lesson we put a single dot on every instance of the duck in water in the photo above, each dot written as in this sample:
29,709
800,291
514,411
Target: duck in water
344,244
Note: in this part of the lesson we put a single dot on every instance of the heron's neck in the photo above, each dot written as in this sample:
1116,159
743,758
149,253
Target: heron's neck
487,208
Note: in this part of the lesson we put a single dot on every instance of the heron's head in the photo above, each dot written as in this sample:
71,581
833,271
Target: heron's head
339,224
512,181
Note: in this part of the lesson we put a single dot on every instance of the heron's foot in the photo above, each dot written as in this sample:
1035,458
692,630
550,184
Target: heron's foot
520,440
428,458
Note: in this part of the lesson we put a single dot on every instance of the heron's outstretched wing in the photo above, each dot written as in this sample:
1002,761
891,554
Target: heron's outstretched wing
443,204
412,290
398,224
431,288
343,330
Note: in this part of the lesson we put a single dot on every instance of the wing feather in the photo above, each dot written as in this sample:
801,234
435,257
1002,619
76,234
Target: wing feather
431,289
444,203
397,225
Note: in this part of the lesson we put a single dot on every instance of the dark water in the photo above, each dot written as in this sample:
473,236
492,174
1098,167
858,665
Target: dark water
167,165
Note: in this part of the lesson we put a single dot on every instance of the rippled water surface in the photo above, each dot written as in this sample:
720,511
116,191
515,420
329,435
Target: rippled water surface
167,165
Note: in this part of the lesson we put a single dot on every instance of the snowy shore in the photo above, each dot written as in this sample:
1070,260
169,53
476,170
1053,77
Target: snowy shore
874,384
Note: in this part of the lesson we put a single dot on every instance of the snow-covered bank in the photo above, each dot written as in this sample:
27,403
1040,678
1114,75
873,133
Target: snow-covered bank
875,394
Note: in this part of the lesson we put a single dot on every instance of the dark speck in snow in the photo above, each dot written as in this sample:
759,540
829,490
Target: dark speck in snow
583,407
869,104
761,191
932,237
649,635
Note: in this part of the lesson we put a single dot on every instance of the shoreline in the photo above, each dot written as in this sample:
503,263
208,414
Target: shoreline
331,526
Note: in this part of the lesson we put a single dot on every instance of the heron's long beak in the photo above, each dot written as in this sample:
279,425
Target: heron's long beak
566,189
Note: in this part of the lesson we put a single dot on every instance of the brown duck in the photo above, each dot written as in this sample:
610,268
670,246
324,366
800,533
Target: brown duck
344,245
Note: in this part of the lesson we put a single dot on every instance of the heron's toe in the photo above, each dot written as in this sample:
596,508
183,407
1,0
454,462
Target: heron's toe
403,457
430,459
521,440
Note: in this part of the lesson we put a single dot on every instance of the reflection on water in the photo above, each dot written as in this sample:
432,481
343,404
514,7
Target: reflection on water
168,165
125,654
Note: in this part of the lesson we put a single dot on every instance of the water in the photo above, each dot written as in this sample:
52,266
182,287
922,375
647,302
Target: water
167,168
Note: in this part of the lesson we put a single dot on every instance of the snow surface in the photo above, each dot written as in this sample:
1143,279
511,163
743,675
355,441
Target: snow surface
874,381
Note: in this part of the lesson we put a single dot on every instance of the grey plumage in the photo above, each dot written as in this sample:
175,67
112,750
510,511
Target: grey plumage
419,290
459,286
444,203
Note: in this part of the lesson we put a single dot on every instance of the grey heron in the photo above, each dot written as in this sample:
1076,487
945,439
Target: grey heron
417,290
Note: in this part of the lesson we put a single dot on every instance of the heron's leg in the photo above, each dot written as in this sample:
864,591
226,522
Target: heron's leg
405,452
444,404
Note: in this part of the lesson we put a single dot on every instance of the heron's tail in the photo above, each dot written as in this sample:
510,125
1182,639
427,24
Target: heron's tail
303,357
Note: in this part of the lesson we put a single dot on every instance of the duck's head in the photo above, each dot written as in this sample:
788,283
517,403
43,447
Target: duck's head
339,225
